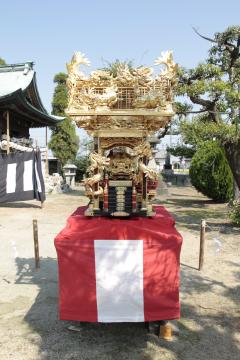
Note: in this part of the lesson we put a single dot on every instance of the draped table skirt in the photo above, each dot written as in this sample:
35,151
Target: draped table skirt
119,270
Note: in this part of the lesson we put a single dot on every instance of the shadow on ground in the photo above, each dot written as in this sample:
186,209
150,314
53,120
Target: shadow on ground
189,210
76,192
19,205
204,333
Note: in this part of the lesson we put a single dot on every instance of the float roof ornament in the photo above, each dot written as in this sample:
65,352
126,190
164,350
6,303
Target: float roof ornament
133,98
121,109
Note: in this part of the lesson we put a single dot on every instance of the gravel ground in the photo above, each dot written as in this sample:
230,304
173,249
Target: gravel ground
29,327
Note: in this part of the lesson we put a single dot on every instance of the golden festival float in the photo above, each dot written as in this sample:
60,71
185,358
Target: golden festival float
121,111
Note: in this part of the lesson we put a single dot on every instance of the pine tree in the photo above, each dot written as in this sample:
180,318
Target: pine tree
64,141
214,86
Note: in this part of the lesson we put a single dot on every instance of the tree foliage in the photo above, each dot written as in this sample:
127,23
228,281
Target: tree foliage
82,163
210,173
214,88
114,66
60,96
64,142
235,212
2,61
182,151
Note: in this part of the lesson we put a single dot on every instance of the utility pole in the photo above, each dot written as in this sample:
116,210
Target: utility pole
46,144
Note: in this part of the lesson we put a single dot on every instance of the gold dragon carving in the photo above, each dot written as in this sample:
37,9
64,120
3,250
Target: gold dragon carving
98,163
149,173
99,90
143,150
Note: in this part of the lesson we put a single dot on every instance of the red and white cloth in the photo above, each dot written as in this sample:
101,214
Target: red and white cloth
117,270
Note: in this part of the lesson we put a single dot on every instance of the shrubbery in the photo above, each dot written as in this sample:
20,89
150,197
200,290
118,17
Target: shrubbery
82,163
210,173
235,212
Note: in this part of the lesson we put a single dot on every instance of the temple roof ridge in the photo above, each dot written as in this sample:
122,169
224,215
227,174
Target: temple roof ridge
17,67
18,85
12,80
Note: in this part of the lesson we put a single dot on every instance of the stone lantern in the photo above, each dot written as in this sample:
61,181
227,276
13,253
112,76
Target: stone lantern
69,171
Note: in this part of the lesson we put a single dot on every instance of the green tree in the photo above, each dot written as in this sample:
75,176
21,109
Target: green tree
60,96
64,142
182,151
115,66
82,163
214,87
2,61
210,173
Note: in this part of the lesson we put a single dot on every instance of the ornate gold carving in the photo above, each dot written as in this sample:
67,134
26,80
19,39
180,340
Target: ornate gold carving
101,78
166,58
121,111
98,101
143,150
120,213
130,89
149,124
73,67
122,164
121,189
120,198
149,173
108,143
151,100
120,183
74,76
91,193
98,162
92,180
143,75
167,77
119,122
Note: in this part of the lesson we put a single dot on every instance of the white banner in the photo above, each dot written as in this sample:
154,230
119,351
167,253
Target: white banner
119,280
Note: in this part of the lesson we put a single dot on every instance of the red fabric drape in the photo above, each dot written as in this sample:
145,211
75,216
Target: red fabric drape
76,263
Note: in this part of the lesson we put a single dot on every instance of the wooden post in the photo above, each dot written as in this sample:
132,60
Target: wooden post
8,133
96,186
144,188
46,144
202,244
36,245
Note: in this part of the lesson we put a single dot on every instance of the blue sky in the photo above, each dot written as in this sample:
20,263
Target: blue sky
48,32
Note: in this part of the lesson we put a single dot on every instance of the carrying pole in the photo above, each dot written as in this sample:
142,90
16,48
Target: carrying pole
202,244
